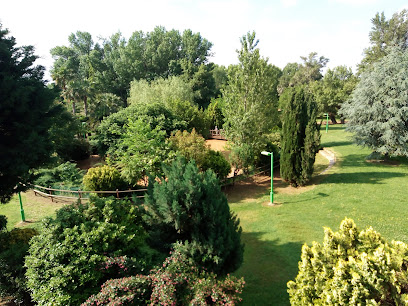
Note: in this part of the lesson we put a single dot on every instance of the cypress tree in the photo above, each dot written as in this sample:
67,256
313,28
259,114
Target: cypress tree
188,206
300,137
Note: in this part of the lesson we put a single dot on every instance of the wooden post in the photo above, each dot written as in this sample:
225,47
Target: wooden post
50,192
79,193
117,193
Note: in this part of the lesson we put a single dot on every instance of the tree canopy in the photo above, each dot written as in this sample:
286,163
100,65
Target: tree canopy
378,109
27,113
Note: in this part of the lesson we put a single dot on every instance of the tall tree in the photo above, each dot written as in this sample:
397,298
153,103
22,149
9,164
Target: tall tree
378,109
334,89
384,34
300,137
250,102
27,110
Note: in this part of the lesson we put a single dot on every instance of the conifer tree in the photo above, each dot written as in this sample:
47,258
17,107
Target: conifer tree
188,206
300,137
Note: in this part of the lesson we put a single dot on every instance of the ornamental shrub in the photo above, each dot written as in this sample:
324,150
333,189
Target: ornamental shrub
216,162
66,262
176,282
103,178
188,205
352,267
13,249
67,174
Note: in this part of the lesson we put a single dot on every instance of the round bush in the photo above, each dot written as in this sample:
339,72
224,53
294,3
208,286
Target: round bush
217,163
103,178
352,268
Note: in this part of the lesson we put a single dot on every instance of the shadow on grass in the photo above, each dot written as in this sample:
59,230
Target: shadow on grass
332,144
268,266
360,177
249,189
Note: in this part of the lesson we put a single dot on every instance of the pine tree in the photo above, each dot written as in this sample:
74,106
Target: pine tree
300,137
189,206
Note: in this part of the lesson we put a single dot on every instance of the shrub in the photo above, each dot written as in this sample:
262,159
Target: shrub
67,174
217,163
65,262
352,268
76,149
188,205
176,282
13,249
103,178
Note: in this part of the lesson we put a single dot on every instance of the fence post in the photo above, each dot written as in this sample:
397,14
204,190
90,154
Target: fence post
79,194
117,193
50,192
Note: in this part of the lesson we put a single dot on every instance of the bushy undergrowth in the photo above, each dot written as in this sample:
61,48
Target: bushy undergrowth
13,248
352,267
177,282
65,264
67,174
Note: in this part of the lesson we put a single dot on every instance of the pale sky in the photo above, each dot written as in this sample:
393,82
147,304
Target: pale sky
286,29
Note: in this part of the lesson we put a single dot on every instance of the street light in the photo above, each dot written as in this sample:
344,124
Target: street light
270,154
327,121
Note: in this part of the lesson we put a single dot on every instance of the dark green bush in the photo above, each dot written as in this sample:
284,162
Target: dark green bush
67,174
217,163
188,205
13,249
76,149
66,262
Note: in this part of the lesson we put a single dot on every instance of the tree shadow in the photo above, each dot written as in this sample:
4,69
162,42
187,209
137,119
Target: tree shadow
360,177
331,144
268,266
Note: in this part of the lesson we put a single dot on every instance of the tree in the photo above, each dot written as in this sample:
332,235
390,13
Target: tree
188,206
383,35
295,74
378,109
140,151
66,261
352,267
333,90
250,102
300,137
27,112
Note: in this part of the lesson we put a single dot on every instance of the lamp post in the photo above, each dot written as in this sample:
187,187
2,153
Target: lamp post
271,155
327,121
21,207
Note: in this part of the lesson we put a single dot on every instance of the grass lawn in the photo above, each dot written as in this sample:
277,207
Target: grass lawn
370,193
35,209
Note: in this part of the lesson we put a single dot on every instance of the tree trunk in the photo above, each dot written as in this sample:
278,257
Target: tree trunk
86,106
332,118
73,108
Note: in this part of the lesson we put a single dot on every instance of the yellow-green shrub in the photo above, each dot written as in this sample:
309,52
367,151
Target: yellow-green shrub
103,178
352,268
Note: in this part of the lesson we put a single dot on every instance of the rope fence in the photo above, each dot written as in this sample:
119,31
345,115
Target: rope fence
81,195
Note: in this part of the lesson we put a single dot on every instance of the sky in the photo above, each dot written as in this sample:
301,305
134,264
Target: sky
286,29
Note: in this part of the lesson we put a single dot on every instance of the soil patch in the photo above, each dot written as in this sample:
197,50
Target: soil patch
90,162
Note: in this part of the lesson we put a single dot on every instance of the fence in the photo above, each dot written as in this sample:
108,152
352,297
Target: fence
81,195
217,134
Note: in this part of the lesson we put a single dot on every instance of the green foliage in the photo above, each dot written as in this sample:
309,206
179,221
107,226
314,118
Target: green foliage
351,268
378,109
103,105
215,114
141,151
295,74
250,102
300,137
333,90
76,149
65,262
384,35
67,174
189,145
188,205
27,112
111,129
177,282
216,162
3,223
103,178
13,249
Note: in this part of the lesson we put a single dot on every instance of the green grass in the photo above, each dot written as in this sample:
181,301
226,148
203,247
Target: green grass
371,194
35,209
